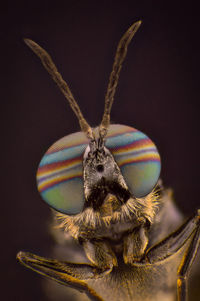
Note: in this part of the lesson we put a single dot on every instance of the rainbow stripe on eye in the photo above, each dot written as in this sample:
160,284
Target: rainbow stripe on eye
59,176
61,163
131,146
56,173
142,150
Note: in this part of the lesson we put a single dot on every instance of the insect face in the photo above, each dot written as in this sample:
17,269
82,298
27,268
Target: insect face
73,170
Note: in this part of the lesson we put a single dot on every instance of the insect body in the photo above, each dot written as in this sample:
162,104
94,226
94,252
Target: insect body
103,184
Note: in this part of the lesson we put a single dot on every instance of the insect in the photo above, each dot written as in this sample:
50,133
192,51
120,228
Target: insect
103,185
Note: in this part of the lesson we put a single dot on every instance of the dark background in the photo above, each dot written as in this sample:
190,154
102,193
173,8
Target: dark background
158,93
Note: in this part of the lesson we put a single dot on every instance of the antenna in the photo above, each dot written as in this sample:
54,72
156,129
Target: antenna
57,77
114,76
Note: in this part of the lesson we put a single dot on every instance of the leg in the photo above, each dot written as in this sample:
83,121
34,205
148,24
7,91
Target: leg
69,274
185,266
171,245
74,275
98,252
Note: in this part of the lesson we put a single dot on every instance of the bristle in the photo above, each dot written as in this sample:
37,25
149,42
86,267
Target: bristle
141,208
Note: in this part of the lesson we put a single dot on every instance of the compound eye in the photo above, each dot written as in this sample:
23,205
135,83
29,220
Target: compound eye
137,157
59,175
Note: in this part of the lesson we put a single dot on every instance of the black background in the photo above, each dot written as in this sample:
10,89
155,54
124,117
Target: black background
158,94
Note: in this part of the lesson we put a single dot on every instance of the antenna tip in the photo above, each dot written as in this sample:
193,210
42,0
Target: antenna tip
136,25
29,43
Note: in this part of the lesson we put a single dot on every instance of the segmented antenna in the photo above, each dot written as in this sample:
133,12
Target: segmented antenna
57,77
114,76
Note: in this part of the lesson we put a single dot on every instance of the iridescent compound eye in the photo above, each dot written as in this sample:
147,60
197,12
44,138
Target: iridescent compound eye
60,173
137,157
